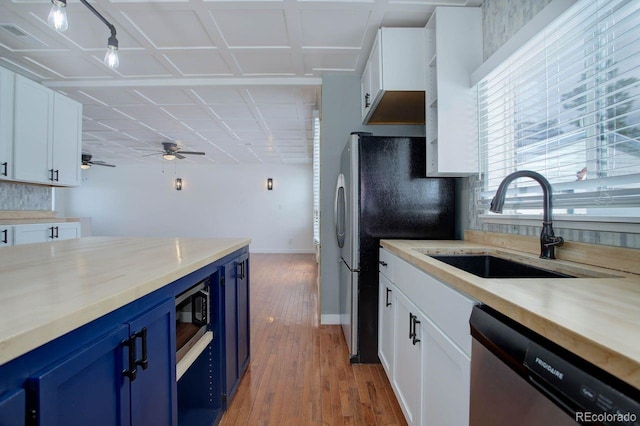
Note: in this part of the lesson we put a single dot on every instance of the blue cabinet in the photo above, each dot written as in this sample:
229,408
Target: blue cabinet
125,377
207,387
12,408
86,387
120,370
237,335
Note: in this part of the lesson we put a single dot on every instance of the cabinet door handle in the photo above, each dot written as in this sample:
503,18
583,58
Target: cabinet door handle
410,325
5,169
52,235
130,344
144,361
199,309
367,100
57,232
241,273
5,238
383,263
414,338
387,301
57,175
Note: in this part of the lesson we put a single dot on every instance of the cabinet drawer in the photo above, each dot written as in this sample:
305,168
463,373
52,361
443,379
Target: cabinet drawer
449,309
385,265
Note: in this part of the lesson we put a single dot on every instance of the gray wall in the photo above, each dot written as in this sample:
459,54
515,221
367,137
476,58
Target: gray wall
501,19
340,116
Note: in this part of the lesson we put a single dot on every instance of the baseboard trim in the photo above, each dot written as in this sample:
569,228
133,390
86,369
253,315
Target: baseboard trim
330,319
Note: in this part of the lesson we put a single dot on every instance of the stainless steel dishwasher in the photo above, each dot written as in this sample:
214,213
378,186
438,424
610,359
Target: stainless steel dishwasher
520,378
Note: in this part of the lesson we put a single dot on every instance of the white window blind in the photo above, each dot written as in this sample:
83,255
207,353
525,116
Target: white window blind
567,105
316,177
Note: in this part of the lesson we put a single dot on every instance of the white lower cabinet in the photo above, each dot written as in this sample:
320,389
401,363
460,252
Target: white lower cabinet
445,398
409,352
43,232
424,344
385,320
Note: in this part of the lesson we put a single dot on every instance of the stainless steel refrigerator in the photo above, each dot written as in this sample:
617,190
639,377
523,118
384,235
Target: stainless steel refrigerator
382,193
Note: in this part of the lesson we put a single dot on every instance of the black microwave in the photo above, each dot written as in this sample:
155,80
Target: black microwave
192,317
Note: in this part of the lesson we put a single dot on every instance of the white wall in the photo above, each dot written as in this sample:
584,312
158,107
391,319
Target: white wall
216,201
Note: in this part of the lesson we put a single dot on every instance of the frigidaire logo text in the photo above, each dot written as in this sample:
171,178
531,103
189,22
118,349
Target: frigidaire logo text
549,368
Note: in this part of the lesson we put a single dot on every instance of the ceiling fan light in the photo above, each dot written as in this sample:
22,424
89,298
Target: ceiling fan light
85,166
169,157
58,15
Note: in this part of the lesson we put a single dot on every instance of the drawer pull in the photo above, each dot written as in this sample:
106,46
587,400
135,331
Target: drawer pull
387,301
383,263
132,372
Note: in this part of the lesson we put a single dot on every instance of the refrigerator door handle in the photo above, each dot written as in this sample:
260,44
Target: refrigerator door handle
340,233
347,265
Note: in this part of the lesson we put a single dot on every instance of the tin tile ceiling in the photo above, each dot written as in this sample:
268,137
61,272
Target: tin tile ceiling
239,80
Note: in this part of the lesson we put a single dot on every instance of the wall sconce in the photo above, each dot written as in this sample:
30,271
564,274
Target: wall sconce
178,184
270,184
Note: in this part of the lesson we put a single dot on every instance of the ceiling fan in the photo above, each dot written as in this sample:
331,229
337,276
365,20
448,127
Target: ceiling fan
87,163
171,151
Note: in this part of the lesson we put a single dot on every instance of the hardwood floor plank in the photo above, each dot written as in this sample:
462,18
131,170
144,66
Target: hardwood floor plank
300,372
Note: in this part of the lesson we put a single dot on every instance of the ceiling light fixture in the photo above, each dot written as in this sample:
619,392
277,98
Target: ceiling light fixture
58,15
168,156
85,166
58,20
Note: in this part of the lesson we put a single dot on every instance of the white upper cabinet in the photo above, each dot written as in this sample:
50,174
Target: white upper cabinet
6,124
67,140
33,131
47,135
393,81
453,52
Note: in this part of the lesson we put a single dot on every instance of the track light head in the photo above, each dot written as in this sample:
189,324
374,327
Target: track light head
58,15
111,57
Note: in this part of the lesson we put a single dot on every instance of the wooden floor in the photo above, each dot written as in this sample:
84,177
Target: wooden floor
299,372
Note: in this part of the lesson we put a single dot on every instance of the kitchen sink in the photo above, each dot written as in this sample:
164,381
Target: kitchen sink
488,266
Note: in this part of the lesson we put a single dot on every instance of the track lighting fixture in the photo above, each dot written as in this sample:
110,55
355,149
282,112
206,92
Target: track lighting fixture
58,20
58,15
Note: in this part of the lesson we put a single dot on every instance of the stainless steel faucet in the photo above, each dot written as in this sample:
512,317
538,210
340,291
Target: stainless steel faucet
548,241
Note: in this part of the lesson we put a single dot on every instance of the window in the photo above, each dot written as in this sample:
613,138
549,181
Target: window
567,105
316,178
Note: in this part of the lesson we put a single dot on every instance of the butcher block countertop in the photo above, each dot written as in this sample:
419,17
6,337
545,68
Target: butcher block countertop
596,316
49,289
21,217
